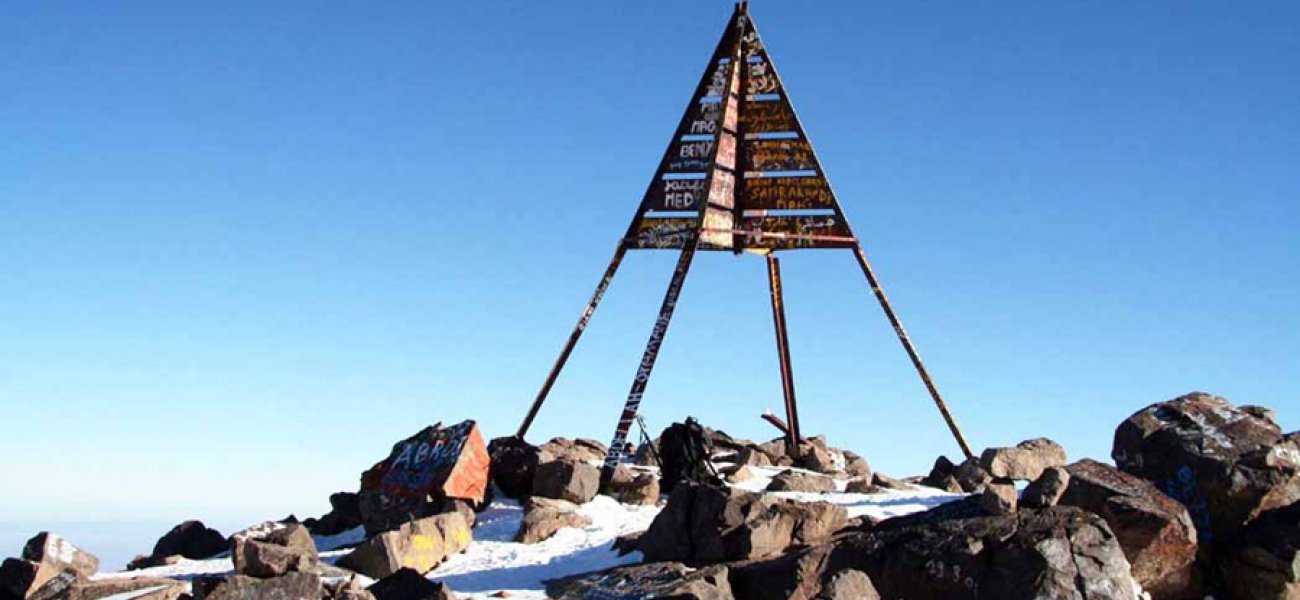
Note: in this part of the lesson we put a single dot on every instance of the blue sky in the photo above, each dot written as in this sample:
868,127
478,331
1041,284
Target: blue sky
244,248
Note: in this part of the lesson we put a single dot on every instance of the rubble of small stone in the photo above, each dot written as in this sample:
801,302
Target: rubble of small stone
1201,502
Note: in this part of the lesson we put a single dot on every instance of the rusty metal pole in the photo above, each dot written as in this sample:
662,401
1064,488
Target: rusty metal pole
792,436
911,350
573,338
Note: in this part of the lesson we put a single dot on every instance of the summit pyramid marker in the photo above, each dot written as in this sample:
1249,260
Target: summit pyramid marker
739,174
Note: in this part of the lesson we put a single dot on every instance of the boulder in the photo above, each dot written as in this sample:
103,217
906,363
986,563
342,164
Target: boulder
1264,562
421,545
849,584
1025,461
49,565
18,578
648,580
409,584
1155,532
645,455
344,515
971,477
1047,489
704,523
814,521
290,586
566,479
580,450
856,466
54,553
136,588
858,485
998,499
346,589
544,516
192,540
815,457
752,456
881,480
273,549
1226,465
421,473
945,553
739,475
943,476
632,487
796,481
514,464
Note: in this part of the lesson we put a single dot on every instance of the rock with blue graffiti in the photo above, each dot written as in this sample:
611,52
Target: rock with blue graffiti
1264,562
1225,464
423,474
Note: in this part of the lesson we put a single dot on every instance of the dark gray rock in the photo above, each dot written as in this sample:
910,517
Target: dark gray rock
666,580
1047,489
273,549
408,584
290,586
1264,562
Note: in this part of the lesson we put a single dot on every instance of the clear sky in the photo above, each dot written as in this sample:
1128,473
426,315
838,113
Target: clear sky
246,247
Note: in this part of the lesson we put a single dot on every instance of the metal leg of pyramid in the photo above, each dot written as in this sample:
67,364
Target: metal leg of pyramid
792,436
911,350
617,446
573,338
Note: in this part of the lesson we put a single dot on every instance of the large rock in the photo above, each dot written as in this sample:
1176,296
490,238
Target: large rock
514,464
55,553
856,466
797,481
419,545
1060,552
137,588
580,450
1025,461
290,586
998,499
816,456
971,477
408,584
1047,489
942,476
544,516
1226,465
567,479
190,539
668,580
703,524
1154,531
273,549
422,472
48,561
344,515
631,487
1264,562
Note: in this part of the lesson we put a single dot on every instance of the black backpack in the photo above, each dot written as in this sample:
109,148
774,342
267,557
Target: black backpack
684,451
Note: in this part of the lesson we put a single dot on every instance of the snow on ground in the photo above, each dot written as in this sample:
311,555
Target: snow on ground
493,562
